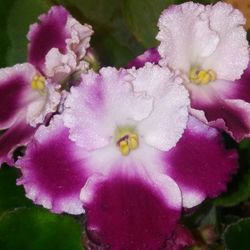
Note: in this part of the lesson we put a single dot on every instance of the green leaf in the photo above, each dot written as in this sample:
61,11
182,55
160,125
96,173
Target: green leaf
37,229
239,188
100,12
111,52
236,236
245,144
205,214
197,1
22,14
142,17
11,195
5,7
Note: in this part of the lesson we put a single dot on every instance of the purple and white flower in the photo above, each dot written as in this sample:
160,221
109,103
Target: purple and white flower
31,91
25,100
58,44
208,46
125,151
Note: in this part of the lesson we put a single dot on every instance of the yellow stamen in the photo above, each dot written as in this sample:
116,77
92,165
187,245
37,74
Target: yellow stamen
124,148
127,140
212,75
133,141
38,83
201,77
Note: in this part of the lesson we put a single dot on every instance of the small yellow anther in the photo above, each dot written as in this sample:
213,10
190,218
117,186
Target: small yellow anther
192,74
133,141
127,140
124,148
212,75
38,83
204,77
201,77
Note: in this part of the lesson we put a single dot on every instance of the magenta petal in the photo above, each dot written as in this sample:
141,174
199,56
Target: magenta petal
15,91
53,169
49,33
200,164
130,212
151,55
236,116
224,105
231,115
19,134
240,89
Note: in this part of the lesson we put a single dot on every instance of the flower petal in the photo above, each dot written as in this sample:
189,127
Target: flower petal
131,212
165,125
54,170
184,34
231,115
228,23
216,105
150,55
102,103
19,134
15,92
239,89
49,33
186,29
200,164
79,37
43,105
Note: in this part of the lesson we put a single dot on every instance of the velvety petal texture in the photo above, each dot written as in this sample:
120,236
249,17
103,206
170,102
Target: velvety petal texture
210,38
100,104
22,107
19,134
44,104
170,100
200,164
150,55
115,98
79,39
186,29
58,43
228,23
224,104
15,92
184,34
53,169
49,33
239,89
131,212
233,116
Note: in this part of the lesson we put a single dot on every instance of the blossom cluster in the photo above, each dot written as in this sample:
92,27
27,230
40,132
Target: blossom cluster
130,147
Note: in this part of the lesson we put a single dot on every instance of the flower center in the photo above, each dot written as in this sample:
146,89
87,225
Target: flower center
38,83
126,139
201,76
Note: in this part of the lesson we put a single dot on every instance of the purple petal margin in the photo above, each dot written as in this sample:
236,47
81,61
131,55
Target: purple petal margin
53,170
130,213
151,55
19,134
200,164
15,92
49,33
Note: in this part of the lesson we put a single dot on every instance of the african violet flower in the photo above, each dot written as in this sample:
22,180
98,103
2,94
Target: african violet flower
208,46
30,91
58,44
25,98
118,152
